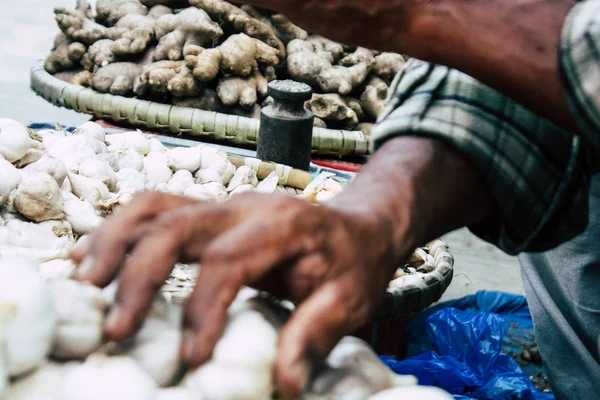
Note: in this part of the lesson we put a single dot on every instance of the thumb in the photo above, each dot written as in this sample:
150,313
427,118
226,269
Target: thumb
314,329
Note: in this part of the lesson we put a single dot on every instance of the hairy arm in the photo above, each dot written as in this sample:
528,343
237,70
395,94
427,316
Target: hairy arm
512,46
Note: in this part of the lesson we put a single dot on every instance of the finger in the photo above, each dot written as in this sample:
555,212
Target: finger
103,256
316,326
152,259
240,257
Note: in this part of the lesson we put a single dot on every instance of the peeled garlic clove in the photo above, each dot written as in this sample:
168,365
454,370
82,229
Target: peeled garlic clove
10,177
99,171
198,192
131,180
111,159
324,196
243,176
56,269
155,166
157,146
131,159
15,141
242,189
217,190
413,392
224,168
135,141
269,184
27,314
214,382
207,175
184,158
31,156
90,190
80,313
82,216
38,198
51,166
210,155
101,378
92,130
174,393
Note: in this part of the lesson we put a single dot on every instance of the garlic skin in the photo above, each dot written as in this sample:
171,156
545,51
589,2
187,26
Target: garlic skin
198,192
224,168
135,141
243,176
130,181
38,198
218,191
80,313
323,188
156,146
43,383
31,156
92,130
414,392
156,346
102,378
130,159
50,136
37,236
10,177
51,166
27,315
207,175
210,155
111,159
269,184
82,216
242,189
184,158
59,228
99,170
14,140
90,190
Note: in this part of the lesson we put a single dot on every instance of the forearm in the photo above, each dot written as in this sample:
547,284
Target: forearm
420,189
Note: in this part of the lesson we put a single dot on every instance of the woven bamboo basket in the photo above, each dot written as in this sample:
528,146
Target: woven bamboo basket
203,125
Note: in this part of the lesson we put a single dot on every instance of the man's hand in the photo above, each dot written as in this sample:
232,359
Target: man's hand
336,265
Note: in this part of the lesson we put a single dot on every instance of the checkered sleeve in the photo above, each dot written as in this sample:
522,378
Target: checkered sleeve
580,67
535,173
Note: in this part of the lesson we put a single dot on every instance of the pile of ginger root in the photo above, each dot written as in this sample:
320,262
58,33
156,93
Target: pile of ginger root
216,56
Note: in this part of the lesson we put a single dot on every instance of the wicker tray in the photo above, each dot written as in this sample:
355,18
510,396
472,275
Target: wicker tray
419,292
203,125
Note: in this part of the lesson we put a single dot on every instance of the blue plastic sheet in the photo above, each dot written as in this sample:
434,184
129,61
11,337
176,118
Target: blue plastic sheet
461,351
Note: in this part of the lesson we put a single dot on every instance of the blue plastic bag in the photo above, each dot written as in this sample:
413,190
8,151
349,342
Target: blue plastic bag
468,362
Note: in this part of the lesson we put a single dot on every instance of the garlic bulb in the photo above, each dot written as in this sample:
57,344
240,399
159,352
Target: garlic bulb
242,189
175,393
155,166
32,155
414,392
244,175
59,228
102,378
15,141
217,190
90,190
129,180
207,175
156,146
67,195
99,170
180,181
198,192
43,383
111,159
27,315
82,216
37,236
10,177
71,150
210,155
184,158
323,188
56,269
50,136
135,141
130,159
156,346
80,313
91,129
224,168
51,166
269,184
38,198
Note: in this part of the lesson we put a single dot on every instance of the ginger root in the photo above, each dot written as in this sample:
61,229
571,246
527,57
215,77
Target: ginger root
116,78
78,24
108,12
80,78
387,65
237,19
166,77
168,3
243,91
98,55
334,110
65,54
374,97
239,55
286,30
360,55
185,33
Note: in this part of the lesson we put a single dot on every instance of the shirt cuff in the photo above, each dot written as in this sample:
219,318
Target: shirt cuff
535,172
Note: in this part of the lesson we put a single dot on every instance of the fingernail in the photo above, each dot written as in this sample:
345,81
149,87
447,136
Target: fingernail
86,266
113,320
187,346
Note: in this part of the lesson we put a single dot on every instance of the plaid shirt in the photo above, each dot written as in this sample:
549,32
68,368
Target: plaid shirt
537,174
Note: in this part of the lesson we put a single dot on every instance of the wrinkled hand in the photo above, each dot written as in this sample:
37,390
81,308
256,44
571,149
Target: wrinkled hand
335,264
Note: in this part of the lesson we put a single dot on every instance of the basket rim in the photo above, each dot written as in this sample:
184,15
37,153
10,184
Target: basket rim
177,119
